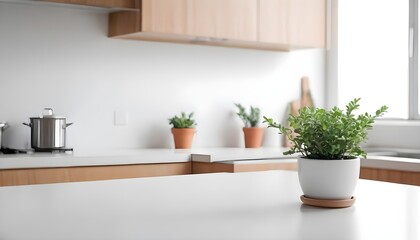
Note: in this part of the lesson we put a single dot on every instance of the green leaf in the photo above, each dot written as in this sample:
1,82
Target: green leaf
251,119
320,134
183,121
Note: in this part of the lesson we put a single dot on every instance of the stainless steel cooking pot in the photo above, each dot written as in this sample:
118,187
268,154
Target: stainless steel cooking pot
3,125
48,131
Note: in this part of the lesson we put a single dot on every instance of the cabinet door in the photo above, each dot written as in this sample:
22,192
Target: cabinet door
299,23
274,24
224,19
165,16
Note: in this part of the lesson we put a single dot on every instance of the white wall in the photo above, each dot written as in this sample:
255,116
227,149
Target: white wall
61,58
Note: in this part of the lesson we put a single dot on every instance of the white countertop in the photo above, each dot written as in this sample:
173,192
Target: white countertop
258,205
377,159
272,155
93,158
237,154
154,156
392,163
134,156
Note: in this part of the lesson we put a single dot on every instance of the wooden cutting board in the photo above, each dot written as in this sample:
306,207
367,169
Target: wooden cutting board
305,100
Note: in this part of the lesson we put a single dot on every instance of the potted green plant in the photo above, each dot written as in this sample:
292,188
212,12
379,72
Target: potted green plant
253,134
183,130
328,142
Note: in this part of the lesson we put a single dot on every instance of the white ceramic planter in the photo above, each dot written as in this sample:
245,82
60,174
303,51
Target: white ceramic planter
328,179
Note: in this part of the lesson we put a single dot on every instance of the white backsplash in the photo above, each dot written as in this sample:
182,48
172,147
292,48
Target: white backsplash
62,58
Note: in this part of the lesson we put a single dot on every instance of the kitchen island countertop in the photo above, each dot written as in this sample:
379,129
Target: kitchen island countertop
256,205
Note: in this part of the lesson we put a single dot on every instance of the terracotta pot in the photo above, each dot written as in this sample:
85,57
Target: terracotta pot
253,137
183,137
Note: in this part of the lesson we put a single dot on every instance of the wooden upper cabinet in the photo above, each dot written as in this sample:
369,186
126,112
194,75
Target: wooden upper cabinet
222,19
298,23
259,24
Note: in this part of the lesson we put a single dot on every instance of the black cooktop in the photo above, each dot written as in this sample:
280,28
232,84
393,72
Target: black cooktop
6,150
53,150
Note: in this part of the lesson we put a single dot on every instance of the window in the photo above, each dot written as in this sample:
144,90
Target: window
374,42
414,66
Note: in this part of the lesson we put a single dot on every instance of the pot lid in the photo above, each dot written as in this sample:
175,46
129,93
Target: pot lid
48,113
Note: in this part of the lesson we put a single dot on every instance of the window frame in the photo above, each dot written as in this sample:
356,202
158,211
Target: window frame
413,94
412,54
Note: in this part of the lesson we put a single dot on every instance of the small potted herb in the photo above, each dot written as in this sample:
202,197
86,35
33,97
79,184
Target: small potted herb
328,142
183,130
252,133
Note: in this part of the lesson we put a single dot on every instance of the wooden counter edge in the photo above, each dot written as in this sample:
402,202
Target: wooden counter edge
12,177
202,167
388,175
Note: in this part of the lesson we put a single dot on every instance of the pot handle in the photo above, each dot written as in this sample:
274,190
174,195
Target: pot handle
6,126
67,125
49,110
27,124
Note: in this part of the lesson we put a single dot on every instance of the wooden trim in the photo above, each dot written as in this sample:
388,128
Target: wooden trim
265,167
188,39
201,167
387,175
78,174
